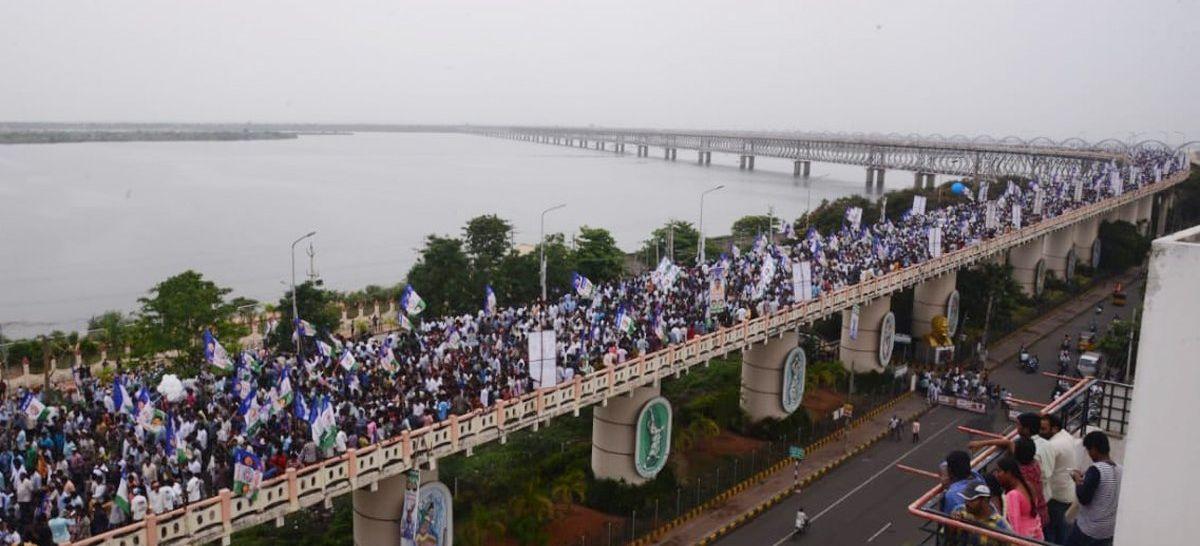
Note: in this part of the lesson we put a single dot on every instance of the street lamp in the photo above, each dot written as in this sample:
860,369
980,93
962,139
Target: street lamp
542,245
808,206
700,252
295,313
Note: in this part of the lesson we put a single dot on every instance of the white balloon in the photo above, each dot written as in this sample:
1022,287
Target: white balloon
171,388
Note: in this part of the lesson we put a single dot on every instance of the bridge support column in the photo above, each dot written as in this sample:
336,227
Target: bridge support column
700,157
616,428
861,353
1145,209
377,513
746,162
801,168
766,392
1059,252
1029,266
643,151
932,298
926,180
1129,213
875,175
620,148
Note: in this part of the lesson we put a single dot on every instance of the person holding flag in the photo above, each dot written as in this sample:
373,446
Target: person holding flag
489,300
583,287
411,303
215,354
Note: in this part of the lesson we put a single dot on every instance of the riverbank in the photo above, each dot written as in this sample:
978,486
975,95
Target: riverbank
71,137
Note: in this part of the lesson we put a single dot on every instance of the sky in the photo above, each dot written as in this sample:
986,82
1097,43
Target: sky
1096,69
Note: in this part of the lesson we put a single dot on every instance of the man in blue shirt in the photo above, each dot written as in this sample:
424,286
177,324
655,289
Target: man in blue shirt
959,477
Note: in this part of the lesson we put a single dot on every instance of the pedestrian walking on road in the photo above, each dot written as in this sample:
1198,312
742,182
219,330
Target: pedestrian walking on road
916,430
894,428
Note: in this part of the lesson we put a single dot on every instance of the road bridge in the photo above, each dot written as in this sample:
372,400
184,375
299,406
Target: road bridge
628,392
924,156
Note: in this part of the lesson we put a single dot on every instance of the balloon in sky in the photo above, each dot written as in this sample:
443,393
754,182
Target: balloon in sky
958,188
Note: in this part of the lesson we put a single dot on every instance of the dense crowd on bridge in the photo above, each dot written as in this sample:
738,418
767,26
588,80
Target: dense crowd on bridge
109,453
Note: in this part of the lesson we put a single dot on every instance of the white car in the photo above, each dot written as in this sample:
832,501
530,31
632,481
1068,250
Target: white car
1089,363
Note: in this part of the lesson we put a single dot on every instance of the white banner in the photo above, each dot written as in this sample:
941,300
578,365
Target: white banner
918,206
854,322
802,281
990,220
1016,215
1078,190
1038,197
935,242
716,290
983,192
543,354
408,515
962,403
854,216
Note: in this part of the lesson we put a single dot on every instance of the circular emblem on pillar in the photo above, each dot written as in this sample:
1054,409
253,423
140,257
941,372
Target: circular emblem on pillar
952,313
434,517
887,338
1039,278
1096,253
1072,261
795,368
653,442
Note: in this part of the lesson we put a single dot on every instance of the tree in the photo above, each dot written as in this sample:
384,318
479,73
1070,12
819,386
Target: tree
114,331
597,255
488,239
484,526
569,488
685,237
1115,345
1121,246
442,276
314,304
984,283
179,309
829,216
751,226
528,513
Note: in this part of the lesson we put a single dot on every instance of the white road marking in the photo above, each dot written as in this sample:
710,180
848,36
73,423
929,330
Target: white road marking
888,467
880,531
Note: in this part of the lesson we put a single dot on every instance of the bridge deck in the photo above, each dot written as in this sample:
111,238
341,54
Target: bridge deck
223,514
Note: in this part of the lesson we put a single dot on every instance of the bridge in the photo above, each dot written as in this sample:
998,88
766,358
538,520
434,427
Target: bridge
626,395
923,155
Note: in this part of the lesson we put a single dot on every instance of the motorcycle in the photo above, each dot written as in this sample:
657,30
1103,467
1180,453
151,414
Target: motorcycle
1030,365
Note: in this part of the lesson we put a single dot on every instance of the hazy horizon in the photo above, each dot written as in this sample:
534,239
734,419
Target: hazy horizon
1095,70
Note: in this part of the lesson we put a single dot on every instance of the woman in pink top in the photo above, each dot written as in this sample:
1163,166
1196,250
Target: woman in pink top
1019,507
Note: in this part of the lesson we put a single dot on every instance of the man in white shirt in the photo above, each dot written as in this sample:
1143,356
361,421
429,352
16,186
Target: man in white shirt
1062,487
194,488
138,505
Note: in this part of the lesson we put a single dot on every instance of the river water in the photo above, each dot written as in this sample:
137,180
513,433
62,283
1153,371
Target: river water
91,227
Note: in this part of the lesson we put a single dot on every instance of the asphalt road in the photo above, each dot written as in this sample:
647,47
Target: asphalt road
865,500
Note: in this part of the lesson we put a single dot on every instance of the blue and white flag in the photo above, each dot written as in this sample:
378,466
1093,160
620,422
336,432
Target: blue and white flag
251,412
583,287
214,353
304,328
324,350
489,300
660,327
33,407
120,397
410,302
348,362
286,393
300,408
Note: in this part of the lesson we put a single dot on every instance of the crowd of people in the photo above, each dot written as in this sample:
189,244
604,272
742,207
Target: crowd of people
1032,485
106,454
958,383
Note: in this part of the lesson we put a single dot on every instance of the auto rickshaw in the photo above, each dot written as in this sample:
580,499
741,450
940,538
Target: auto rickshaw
1087,341
1118,295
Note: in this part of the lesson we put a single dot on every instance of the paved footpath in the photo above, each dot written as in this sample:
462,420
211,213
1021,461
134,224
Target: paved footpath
761,512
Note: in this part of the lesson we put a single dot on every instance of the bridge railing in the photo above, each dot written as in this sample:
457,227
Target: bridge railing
298,488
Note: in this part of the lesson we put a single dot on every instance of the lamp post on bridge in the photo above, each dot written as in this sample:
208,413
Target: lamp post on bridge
700,252
542,246
295,315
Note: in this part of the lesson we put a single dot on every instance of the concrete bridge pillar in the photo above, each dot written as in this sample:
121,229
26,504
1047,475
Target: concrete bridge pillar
378,514
773,377
935,297
1145,209
700,157
924,179
1086,234
1059,253
631,436
801,168
746,162
876,175
1029,266
643,151
708,158
1129,213
876,332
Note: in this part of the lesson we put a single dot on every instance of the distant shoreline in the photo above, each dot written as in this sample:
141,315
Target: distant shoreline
69,137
